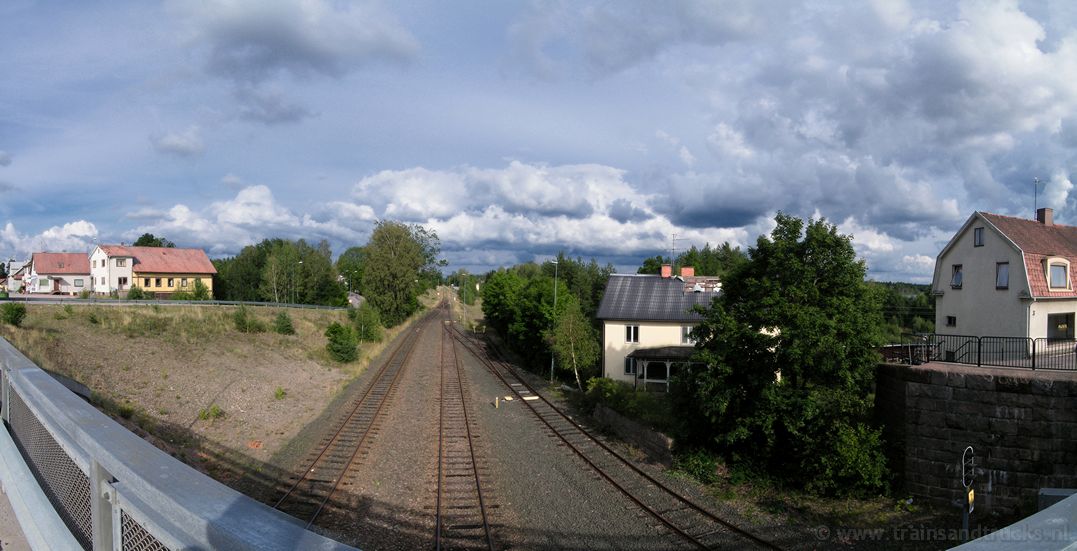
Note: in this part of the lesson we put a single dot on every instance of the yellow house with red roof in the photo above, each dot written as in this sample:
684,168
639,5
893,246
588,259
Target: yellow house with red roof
157,270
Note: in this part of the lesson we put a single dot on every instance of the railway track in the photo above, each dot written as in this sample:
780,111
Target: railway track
695,525
312,489
461,506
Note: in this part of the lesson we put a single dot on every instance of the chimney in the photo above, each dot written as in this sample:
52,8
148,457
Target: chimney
1045,216
688,271
667,271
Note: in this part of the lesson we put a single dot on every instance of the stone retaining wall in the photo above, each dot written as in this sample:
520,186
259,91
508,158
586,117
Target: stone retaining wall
656,445
1021,423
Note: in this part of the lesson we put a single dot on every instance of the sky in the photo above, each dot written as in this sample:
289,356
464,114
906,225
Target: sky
519,129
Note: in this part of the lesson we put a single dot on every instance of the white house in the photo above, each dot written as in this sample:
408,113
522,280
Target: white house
1007,277
15,274
157,270
646,324
57,273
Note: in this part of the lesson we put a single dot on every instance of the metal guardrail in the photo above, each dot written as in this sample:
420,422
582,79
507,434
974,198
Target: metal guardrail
57,299
112,490
1019,352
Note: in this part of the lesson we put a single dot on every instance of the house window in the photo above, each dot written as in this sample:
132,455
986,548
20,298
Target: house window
183,282
951,321
102,281
978,237
123,281
156,282
630,366
44,284
686,335
955,280
78,283
1002,275
121,262
145,282
94,263
1059,276
631,333
170,282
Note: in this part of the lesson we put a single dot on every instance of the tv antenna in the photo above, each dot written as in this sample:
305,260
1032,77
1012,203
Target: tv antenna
1035,195
673,251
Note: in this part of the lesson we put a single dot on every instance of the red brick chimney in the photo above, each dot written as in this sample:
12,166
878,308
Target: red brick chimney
667,271
688,271
1045,216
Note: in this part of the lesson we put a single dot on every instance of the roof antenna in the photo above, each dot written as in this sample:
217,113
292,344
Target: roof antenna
673,251
1035,195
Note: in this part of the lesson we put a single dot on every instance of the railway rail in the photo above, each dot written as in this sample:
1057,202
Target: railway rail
313,489
461,505
691,522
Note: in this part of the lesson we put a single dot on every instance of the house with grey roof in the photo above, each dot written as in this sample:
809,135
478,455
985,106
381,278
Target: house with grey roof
647,322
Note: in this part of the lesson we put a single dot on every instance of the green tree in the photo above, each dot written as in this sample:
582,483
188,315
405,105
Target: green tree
136,293
350,265
12,313
799,306
342,345
150,240
367,323
653,265
397,257
282,324
201,292
574,341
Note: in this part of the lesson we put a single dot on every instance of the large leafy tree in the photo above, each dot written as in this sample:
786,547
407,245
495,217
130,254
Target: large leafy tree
350,266
789,350
399,260
150,240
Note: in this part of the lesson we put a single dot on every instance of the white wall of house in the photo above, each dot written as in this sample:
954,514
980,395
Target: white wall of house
651,334
116,272
1043,308
69,283
979,307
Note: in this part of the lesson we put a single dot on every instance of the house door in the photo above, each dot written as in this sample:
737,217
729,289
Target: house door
56,285
1060,326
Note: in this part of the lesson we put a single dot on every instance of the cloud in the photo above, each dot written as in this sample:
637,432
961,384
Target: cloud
252,44
6,186
77,236
225,227
232,181
5,158
181,144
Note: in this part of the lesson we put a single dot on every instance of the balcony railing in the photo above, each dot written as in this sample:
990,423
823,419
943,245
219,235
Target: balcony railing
1019,352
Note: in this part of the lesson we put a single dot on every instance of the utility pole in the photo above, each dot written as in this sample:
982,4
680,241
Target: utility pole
1035,195
673,251
555,267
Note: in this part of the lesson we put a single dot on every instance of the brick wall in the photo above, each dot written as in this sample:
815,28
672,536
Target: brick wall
1021,423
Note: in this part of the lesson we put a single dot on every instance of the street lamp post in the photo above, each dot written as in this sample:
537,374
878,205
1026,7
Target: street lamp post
555,266
294,270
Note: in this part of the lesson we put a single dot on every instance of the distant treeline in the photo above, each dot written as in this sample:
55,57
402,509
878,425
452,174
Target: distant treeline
906,308
278,270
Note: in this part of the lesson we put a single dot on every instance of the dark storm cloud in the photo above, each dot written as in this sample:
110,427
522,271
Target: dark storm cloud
622,210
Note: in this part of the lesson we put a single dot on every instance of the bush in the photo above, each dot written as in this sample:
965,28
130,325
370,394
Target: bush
697,464
280,393
283,324
136,293
367,323
212,412
12,313
94,318
246,322
84,294
181,295
652,408
201,292
342,346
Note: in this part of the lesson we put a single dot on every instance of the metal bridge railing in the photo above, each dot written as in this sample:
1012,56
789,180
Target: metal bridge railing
1019,352
105,488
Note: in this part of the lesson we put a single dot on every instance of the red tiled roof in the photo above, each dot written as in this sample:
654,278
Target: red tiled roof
163,260
1038,242
61,263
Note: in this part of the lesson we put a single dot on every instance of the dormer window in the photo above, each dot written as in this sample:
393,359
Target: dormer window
978,237
1058,274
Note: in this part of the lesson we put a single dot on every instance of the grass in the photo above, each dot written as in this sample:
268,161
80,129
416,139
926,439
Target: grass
211,413
280,393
